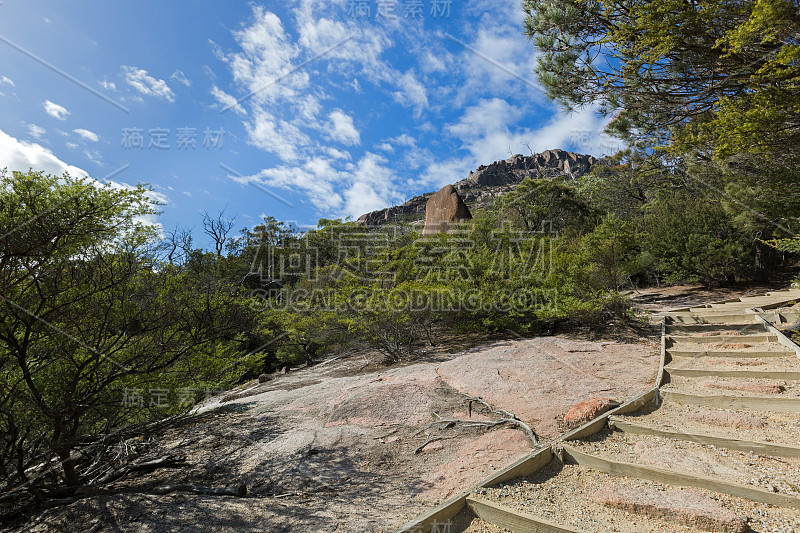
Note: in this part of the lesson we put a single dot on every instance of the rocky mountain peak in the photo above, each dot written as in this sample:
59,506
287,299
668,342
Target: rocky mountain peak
491,181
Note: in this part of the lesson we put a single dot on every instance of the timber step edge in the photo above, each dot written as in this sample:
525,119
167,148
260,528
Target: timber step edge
763,448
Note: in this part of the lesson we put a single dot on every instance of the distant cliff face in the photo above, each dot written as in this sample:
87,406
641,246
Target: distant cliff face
493,181
501,176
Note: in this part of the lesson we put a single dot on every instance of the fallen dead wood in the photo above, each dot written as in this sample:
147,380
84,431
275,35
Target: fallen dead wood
239,491
506,417
88,492
489,424
430,441
170,461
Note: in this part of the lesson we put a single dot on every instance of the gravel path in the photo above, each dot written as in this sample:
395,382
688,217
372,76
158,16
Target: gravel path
563,494
780,475
740,387
588,500
740,424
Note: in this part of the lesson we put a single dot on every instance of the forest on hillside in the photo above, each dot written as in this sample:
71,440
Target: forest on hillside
97,306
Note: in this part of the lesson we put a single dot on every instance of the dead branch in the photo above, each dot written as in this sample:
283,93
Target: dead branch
170,461
465,423
507,417
429,441
384,436
88,492
240,491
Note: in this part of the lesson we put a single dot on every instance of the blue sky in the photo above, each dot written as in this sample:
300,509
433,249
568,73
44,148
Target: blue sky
298,110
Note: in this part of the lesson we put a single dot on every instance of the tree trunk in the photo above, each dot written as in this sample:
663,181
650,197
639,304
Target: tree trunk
68,466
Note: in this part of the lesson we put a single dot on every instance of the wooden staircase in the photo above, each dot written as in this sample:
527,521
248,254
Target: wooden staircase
714,446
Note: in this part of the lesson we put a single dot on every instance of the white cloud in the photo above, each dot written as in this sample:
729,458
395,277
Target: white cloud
280,95
412,93
35,131
386,147
21,155
209,73
108,85
181,78
488,115
276,136
266,54
322,34
72,145
308,108
371,186
94,156
497,63
87,135
436,63
5,80
147,85
444,172
343,129
316,178
55,110
337,154
365,186
227,101
405,140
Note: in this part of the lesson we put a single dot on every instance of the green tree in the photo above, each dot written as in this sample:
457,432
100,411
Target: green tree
693,239
611,251
536,203
86,311
660,66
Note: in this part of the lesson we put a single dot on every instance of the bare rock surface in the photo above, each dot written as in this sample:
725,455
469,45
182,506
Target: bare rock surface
492,181
328,448
539,380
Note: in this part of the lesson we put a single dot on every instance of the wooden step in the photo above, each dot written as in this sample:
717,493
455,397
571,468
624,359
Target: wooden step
764,448
672,328
730,353
724,401
674,477
697,339
738,318
508,518
755,374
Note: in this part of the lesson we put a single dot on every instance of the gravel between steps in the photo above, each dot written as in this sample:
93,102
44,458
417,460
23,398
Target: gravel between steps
567,499
732,386
766,364
778,427
481,526
732,346
780,475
